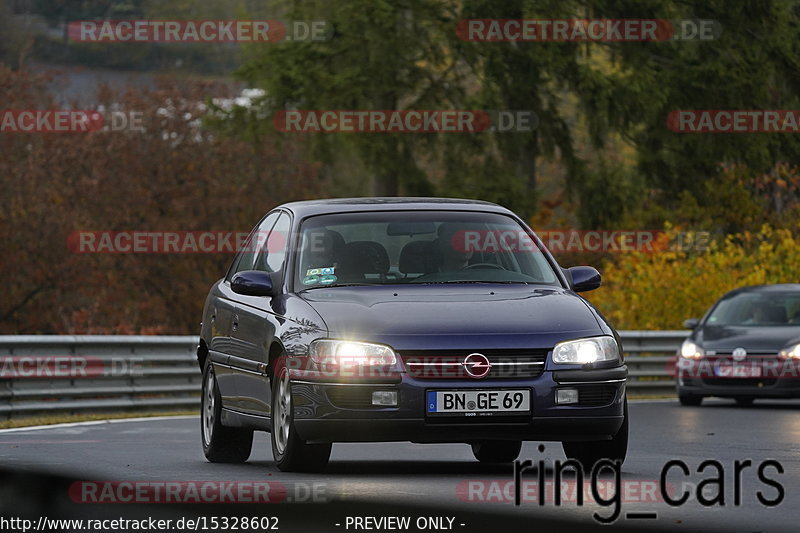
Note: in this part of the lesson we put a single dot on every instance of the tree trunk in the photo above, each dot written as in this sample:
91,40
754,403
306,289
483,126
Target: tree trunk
386,184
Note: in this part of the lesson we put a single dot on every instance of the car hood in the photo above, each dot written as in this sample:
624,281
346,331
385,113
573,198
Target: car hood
438,316
753,339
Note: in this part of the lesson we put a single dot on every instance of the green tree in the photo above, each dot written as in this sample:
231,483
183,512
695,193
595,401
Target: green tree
752,64
381,55
591,99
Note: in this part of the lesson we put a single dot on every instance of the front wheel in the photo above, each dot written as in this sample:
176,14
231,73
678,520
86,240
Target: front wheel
588,453
221,444
290,452
496,451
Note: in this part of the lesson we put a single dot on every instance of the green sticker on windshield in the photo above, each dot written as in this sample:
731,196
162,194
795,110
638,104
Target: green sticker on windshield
320,271
310,280
327,280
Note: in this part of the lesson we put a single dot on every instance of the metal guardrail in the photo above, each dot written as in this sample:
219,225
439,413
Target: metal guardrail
650,356
110,373
146,373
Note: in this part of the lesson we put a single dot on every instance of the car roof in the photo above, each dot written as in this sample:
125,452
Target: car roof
777,287
349,205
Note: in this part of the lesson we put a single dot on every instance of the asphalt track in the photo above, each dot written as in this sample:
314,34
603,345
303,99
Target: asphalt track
444,481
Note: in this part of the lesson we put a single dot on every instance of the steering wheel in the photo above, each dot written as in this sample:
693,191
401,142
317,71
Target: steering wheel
494,266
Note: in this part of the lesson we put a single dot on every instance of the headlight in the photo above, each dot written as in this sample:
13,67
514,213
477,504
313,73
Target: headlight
340,352
791,352
690,350
583,351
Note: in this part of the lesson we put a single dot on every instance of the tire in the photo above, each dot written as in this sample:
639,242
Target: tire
744,401
221,444
496,451
290,452
690,399
588,453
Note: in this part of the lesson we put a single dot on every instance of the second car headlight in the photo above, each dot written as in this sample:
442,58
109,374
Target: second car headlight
691,350
343,352
585,351
791,352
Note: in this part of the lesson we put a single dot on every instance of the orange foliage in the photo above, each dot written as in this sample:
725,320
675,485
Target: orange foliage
171,176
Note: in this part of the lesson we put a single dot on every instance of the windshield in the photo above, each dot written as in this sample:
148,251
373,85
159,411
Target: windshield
382,248
757,309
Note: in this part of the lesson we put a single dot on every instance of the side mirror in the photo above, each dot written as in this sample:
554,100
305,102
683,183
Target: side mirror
584,278
691,323
253,283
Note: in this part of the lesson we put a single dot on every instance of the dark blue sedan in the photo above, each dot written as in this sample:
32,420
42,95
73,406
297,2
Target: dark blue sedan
406,319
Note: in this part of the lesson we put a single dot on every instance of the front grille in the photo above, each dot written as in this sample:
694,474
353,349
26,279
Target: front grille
728,357
596,395
447,364
354,397
740,382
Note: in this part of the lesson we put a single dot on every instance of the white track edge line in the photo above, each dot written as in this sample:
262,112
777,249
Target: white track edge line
94,423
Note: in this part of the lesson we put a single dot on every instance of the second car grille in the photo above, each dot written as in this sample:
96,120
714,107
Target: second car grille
740,382
448,364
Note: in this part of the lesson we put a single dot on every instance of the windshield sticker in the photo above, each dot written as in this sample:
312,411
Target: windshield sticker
327,280
310,280
324,271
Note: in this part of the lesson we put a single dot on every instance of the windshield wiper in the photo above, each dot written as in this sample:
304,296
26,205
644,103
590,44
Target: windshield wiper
340,285
465,281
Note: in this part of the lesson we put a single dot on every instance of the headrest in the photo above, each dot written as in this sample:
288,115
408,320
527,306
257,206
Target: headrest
418,257
364,257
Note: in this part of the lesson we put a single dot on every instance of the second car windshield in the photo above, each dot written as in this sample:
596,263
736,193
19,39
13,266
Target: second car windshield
417,247
757,309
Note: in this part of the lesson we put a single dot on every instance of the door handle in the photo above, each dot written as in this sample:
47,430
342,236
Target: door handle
235,323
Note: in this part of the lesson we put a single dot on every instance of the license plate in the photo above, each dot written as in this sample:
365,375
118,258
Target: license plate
739,371
485,402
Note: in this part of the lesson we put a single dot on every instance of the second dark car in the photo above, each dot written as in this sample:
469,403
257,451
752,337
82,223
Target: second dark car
746,347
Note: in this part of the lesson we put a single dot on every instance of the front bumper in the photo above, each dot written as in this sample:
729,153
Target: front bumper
739,387
776,378
331,412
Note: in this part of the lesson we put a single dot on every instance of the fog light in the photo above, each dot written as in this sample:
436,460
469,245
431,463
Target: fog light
564,396
384,397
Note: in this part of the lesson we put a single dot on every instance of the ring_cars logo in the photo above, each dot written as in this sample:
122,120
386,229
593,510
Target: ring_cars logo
477,365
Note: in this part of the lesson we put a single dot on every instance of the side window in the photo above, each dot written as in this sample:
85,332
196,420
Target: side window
273,252
246,260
